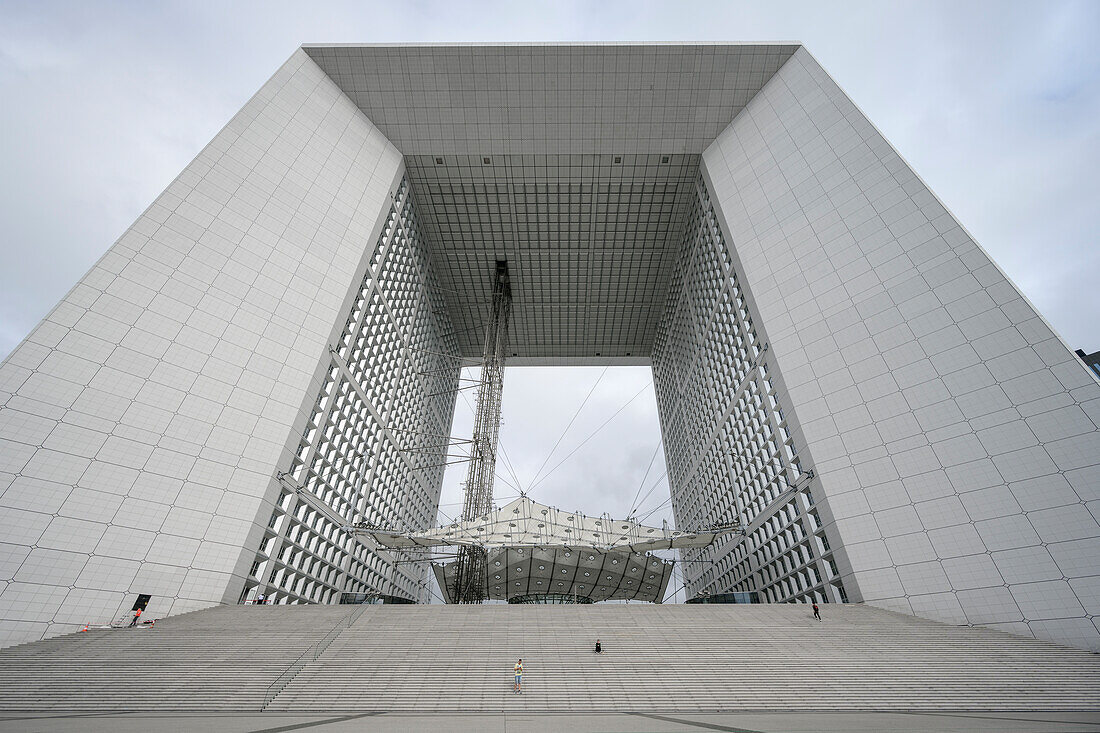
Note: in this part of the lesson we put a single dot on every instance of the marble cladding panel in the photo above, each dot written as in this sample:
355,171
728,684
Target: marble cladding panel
955,435
142,420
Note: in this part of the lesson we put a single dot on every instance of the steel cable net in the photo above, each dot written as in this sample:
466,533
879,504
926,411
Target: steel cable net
471,563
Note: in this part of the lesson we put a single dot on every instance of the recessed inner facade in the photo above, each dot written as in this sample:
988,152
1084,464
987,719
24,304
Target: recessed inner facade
269,356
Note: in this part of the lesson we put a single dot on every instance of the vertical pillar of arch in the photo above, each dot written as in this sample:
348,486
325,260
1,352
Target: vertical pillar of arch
954,436
729,432
371,448
146,422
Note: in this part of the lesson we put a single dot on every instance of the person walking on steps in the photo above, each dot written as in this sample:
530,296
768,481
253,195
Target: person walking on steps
817,611
599,649
134,620
519,678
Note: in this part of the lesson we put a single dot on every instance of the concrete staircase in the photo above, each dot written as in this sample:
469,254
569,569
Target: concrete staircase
223,658
459,658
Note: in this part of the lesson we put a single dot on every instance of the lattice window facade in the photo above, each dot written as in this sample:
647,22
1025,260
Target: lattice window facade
370,451
730,452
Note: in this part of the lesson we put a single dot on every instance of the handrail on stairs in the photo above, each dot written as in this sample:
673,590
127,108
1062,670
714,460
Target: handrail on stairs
316,650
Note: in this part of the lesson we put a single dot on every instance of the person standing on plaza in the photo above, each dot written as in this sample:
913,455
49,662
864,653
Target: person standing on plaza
137,616
817,611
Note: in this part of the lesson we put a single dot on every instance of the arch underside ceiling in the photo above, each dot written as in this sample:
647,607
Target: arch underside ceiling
573,162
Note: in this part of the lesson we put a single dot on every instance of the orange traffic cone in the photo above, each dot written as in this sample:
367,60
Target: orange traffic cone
85,627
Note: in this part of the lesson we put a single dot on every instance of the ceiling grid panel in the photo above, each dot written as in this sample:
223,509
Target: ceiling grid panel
575,163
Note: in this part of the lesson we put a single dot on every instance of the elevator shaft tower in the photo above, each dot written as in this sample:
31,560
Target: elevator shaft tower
469,584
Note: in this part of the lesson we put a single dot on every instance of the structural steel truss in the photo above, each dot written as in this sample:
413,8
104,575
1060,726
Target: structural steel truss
468,584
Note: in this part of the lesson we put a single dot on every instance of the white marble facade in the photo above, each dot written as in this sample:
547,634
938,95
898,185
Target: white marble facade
954,435
144,420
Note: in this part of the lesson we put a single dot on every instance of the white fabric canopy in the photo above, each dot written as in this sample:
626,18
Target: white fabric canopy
525,523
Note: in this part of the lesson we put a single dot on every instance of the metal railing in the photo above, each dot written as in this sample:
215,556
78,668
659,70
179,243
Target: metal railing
308,656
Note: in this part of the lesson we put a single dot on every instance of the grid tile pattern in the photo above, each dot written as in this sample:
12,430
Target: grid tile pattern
587,242
731,455
550,99
954,435
372,449
142,422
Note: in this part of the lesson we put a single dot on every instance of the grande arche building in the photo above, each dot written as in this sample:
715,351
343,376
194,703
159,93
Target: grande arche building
262,359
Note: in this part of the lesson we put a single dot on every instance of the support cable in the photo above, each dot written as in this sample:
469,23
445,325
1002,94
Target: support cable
507,463
654,510
534,479
641,484
508,483
591,435
511,468
652,488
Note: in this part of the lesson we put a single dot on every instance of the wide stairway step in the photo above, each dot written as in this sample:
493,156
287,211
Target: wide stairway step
460,658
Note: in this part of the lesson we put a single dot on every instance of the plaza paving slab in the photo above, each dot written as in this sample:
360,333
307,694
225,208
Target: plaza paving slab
763,722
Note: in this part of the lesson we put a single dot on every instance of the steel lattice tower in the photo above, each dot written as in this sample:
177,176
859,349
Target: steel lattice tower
470,572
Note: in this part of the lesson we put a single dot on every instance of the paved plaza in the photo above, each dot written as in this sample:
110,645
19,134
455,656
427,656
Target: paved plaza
802,722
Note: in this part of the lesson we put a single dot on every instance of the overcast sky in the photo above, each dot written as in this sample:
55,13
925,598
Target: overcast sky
995,104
